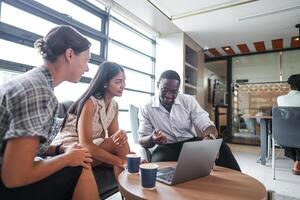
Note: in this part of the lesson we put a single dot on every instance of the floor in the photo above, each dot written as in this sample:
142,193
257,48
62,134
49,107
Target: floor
286,184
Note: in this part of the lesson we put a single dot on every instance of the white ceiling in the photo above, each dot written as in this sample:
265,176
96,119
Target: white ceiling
219,23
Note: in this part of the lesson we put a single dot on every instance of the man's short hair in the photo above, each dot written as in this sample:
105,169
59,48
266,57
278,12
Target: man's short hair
294,81
170,74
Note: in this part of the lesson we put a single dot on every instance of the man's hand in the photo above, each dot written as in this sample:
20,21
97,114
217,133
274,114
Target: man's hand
210,137
210,133
159,137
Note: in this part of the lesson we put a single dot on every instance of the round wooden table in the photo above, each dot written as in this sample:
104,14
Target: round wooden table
222,183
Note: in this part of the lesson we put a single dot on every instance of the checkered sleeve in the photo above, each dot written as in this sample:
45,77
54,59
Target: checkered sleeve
31,113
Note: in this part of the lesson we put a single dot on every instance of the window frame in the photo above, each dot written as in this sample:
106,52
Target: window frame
27,38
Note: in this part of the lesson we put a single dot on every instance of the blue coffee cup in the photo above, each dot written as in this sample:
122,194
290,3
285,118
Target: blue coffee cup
133,163
148,175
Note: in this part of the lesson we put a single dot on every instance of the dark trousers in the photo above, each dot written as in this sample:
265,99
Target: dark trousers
292,153
58,186
170,152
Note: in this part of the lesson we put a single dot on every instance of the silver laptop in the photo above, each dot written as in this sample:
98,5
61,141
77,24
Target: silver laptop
196,160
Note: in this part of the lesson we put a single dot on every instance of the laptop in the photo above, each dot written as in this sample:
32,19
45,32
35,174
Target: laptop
196,160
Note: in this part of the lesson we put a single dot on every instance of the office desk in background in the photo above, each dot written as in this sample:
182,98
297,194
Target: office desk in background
222,183
264,141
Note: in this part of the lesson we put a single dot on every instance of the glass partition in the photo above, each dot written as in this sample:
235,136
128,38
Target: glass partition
216,103
257,81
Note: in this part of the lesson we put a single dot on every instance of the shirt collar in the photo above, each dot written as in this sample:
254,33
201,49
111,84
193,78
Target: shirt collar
156,102
293,92
48,76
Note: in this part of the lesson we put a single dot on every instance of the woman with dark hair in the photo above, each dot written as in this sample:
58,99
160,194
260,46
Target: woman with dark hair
93,119
292,99
28,109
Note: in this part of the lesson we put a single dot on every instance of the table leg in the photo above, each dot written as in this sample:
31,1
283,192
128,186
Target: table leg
263,141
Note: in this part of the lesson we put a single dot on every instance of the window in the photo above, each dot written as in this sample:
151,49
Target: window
36,18
19,53
132,25
92,70
132,97
129,58
134,80
29,21
74,91
129,38
133,49
6,75
74,12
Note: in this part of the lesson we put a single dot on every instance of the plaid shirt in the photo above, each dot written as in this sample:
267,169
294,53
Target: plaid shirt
28,107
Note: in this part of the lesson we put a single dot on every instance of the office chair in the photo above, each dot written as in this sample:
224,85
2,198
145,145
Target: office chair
286,129
271,195
250,124
134,122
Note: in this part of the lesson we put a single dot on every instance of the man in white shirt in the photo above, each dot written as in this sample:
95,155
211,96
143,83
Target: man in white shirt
168,120
292,99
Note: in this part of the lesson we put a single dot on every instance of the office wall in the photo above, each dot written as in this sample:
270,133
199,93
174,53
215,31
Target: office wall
170,54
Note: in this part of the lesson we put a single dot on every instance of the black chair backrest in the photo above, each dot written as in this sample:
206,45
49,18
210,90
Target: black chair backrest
286,126
63,108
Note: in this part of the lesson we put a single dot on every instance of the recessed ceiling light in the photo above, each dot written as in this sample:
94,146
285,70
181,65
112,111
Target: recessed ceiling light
227,48
296,38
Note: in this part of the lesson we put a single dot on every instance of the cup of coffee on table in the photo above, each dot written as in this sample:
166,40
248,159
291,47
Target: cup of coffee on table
133,163
148,175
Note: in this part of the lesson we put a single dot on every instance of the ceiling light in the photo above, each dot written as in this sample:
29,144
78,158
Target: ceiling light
205,48
227,48
296,38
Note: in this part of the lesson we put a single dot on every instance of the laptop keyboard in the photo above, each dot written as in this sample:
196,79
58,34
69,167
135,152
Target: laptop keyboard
167,177
166,174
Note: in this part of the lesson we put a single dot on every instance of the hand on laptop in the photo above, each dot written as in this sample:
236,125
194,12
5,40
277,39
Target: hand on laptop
210,133
159,137
210,137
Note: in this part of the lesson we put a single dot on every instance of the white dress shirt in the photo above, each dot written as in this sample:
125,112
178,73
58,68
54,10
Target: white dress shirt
290,99
179,123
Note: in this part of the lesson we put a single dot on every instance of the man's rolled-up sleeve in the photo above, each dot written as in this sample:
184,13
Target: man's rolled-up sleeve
200,117
145,125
